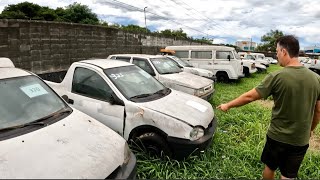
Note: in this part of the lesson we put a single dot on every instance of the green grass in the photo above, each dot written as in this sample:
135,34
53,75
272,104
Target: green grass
237,145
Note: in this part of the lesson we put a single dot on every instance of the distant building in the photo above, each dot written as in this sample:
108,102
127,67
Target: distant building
312,49
246,45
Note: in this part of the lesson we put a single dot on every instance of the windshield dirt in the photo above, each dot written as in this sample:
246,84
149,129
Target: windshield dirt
165,66
134,83
26,99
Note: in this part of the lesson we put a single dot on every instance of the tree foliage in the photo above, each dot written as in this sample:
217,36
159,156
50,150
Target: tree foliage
268,41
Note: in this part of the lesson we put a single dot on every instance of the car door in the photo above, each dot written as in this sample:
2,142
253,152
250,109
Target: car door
91,94
145,65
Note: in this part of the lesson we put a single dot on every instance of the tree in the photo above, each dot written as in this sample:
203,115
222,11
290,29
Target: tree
24,10
268,41
78,13
135,28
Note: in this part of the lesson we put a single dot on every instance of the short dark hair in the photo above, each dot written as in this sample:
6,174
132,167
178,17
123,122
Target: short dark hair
291,44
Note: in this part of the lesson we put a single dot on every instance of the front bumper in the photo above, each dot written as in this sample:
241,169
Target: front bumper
208,95
127,171
182,148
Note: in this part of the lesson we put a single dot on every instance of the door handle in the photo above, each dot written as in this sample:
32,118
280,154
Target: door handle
210,63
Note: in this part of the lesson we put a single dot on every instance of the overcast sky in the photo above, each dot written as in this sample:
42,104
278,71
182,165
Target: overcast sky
225,21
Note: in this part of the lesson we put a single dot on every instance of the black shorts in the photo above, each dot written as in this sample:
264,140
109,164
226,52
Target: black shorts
286,157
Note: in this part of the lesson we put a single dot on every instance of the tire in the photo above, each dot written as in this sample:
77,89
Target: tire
246,71
153,144
222,77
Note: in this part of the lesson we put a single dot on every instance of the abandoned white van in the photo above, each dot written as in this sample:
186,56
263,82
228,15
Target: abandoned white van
42,137
137,106
186,67
169,74
218,59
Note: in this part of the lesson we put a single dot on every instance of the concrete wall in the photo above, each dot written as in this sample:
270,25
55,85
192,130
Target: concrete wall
43,47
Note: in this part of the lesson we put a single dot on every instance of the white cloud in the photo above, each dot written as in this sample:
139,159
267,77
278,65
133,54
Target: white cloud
223,20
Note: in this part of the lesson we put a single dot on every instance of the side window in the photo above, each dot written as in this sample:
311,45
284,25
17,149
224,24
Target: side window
123,58
143,64
89,83
182,54
224,55
201,54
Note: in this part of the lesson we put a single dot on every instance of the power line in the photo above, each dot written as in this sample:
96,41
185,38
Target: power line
131,7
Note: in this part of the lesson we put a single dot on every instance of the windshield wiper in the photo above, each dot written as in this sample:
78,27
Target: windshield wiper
38,122
140,96
162,91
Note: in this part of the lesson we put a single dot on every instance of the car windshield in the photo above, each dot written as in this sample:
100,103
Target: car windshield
26,99
236,54
165,66
134,83
250,57
180,61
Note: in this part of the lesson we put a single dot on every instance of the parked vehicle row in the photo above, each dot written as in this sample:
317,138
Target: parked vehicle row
170,74
41,136
86,120
221,60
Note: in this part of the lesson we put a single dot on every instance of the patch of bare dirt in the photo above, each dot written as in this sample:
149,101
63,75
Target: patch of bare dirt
265,103
314,143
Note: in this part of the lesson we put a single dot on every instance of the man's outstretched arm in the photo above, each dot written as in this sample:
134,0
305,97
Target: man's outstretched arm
245,98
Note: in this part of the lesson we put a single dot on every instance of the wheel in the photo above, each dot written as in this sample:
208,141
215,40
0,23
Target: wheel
246,71
153,144
222,77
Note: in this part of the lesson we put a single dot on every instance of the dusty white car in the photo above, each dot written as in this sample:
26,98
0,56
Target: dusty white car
169,74
271,60
137,106
42,137
186,67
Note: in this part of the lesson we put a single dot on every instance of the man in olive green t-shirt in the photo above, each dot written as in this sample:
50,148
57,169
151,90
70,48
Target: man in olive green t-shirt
295,114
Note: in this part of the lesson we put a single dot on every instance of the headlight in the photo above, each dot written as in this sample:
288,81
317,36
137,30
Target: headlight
196,133
210,75
127,153
198,92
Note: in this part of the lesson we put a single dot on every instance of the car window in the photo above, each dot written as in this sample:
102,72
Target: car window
26,99
165,66
134,83
113,57
201,54
89,83
143,64
224,55
123,58
182,54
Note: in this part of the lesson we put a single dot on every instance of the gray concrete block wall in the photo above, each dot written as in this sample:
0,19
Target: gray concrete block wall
43,47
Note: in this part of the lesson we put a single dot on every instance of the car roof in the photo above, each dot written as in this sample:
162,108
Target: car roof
199,47
137,55
106,63
8,70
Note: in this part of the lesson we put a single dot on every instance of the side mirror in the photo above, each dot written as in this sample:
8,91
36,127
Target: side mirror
66,98
229,57
114,100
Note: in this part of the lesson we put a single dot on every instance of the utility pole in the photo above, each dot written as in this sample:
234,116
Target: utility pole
145,17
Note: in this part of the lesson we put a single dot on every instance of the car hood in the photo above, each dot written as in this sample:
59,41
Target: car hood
184,107
198,71
185,79
76,147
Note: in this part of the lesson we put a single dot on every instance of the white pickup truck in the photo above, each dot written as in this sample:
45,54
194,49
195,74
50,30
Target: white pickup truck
42,137
138,107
